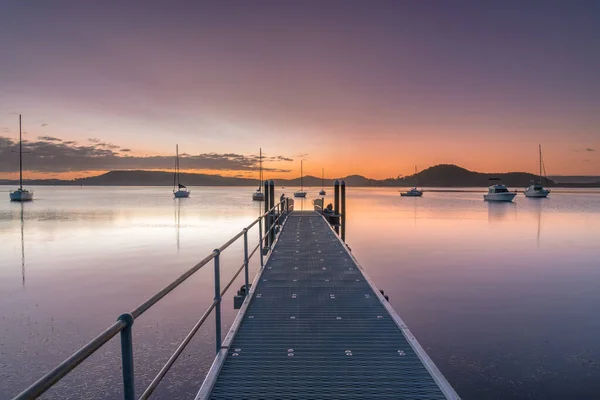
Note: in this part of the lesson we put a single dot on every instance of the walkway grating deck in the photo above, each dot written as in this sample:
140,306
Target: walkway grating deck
316,328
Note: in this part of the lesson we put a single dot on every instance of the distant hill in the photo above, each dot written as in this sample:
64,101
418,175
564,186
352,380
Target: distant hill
445,175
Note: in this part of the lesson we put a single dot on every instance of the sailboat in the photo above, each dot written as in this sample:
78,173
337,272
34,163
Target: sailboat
179,190
259,195
301,192
322,192
21,194
414,192
536,189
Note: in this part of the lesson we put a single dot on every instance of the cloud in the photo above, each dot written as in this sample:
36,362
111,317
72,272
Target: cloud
281,158
5,130
590,149
49,139
43,125
587,149
50,154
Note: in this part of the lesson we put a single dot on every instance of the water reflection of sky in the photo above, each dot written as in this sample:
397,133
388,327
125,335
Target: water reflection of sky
502,296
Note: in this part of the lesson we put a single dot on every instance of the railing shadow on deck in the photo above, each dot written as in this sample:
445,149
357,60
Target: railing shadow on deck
124,324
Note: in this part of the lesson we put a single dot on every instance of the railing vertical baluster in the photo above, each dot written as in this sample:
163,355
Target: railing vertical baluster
127,357
218,299
260,237
246,277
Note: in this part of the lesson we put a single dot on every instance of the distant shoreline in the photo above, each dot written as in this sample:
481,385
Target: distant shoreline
439,176
437,189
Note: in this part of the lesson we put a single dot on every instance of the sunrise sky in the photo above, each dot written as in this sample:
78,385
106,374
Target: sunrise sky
356,87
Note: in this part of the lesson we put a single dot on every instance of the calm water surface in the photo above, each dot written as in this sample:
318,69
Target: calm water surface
504,297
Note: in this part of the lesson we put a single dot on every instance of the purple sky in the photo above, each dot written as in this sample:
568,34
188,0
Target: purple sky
392,83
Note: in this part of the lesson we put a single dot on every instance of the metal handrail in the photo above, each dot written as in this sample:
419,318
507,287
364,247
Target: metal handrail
124,323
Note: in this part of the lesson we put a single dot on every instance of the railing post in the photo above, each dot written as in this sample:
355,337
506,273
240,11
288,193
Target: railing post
260,238
127,357
272,213
218,299
246,259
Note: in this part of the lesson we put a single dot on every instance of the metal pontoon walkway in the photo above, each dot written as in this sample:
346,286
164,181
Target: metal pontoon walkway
315,327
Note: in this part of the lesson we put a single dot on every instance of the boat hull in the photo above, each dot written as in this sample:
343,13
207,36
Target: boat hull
180,194
21,195
322,193
539,194
258,196
300,194
505,197
410,194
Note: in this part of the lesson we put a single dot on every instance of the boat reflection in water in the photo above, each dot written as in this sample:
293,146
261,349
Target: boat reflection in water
23,244
501,211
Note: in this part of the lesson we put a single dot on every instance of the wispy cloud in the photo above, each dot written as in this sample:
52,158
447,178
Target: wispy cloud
51,154
587,149
49,139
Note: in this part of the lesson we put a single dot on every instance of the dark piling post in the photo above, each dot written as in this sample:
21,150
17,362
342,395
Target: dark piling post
343,217
272,204
266,193
266,224
336,204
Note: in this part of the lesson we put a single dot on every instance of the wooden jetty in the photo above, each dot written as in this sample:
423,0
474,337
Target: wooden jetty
315,327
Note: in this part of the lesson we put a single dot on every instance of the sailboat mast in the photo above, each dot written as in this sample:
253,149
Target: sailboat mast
416,177
177,152
540,147
301,178
322,177
20,156
260,175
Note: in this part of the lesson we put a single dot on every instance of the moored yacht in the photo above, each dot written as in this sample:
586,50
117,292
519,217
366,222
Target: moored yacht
414,192
21,194
259,195
499,192
301,192
322,192
179,190
536,189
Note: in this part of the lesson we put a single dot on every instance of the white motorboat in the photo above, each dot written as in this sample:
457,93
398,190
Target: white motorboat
301,192
21,194
322,192
179,190
414,192
499,192
259,195
536,189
